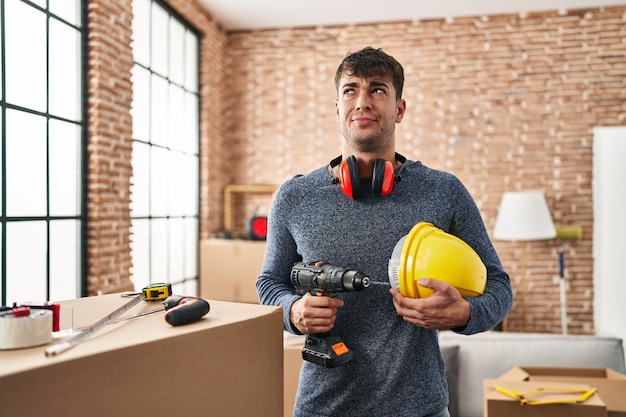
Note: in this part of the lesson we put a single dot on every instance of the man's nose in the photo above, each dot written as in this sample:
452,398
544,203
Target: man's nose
363,101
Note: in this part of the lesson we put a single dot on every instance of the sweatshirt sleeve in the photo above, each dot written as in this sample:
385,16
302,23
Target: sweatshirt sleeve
274,284
490,308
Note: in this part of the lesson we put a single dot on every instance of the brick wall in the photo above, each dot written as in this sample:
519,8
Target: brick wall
505,102
109,145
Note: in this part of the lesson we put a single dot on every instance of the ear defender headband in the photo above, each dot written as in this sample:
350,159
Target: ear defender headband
383,175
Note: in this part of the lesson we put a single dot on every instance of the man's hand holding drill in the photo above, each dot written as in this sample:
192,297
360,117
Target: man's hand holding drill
315,314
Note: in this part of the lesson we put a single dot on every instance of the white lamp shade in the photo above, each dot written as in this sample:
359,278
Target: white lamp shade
524,215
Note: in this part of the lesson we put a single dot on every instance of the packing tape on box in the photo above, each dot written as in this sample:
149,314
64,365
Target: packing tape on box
27,331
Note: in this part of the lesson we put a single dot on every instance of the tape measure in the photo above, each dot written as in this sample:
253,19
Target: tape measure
152,292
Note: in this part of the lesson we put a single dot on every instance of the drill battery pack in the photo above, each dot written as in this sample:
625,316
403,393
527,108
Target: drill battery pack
328,351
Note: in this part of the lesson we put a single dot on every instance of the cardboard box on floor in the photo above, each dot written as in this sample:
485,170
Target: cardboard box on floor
611,385
498,404
229,269
292,346
229,363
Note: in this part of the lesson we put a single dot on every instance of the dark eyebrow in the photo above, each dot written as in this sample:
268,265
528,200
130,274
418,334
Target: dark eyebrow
349,85
371,84
378,84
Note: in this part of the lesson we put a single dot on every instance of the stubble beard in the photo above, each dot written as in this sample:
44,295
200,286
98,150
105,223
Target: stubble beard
367,143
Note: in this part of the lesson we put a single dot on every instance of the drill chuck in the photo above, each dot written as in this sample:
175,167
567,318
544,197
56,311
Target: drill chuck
320,277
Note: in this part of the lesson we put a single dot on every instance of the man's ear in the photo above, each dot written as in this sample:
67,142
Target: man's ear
337,110
400,110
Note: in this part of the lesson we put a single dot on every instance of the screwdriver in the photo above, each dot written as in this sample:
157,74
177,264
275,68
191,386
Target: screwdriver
183,310
180,309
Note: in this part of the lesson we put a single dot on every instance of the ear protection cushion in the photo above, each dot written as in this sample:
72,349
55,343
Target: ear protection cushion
349,178
382,177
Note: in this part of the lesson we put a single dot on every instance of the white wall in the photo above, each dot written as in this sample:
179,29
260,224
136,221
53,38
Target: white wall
609,239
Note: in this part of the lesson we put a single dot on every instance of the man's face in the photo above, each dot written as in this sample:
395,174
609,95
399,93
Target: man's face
367,111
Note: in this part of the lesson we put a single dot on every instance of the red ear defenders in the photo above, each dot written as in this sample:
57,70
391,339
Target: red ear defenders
383,175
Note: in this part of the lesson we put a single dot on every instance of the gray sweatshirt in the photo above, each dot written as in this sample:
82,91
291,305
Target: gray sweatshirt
397,369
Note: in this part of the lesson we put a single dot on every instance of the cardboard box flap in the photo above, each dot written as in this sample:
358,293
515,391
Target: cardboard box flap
537,372
498,404
611,385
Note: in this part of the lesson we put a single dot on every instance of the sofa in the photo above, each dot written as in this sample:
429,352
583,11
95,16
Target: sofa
471,359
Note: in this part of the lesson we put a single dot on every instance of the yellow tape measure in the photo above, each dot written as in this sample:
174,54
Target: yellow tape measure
156,292
153,292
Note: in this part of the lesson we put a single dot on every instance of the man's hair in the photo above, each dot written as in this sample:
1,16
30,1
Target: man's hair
371,62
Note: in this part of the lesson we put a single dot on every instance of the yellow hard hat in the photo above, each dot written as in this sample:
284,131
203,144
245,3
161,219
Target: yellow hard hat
429,252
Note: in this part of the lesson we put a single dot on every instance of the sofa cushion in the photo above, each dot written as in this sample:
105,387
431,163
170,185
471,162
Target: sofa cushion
450,355
488,355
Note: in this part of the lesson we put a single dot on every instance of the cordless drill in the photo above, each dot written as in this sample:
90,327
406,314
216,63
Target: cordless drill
322,279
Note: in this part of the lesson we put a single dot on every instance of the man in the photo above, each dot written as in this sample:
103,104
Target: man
344,214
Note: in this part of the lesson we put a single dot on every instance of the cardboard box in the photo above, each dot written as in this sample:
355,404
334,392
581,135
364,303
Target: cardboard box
229,269
498,404
611,385
292,346
229,363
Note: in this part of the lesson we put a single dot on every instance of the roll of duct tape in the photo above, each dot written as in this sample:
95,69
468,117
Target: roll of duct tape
17,332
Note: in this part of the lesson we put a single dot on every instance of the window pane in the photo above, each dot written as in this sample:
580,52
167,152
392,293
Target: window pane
165,154
40,3
140,253
26,261
140,181
25,56
159,270
160,45
176,250
158,182
25,164
189,287
191,62
177,52
159,109
141,32
176,114
67,10
175,182
191,247
190,185
42,64
65,58
64,176
140,110
190,127
64,259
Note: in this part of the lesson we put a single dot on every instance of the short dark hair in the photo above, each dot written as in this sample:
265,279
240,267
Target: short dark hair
372,62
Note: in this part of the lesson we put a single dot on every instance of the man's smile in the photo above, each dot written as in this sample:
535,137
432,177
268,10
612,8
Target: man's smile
363,120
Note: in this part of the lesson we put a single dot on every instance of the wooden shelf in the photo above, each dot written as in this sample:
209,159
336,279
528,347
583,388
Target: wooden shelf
229,208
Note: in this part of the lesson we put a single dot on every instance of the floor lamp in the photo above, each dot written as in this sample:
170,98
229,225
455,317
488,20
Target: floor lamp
524,216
